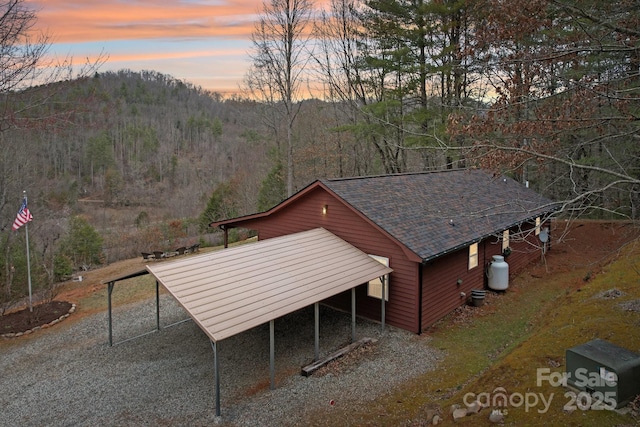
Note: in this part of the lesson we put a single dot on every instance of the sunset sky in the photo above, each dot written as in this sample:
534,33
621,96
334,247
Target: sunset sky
204,42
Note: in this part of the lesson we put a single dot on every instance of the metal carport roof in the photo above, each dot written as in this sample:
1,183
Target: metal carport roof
229,291
232,290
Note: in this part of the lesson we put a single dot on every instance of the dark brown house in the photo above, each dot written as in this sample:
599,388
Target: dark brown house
438,232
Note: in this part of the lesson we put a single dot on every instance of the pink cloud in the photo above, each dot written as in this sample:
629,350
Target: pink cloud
171,55
95,23
69,21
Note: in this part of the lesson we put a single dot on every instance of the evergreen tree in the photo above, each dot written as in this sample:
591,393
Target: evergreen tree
273,189
221,205
82,244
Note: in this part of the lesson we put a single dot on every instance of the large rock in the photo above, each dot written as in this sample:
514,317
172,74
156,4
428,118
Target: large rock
496,416
474,407
459,413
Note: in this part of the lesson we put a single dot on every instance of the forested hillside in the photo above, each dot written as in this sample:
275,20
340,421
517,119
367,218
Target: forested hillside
143,139
133,160
134,149
157,145
114,163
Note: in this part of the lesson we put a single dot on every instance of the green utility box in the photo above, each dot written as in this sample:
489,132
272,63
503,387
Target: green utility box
605,371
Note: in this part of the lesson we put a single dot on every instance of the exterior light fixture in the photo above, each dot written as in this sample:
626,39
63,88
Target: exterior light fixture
325,208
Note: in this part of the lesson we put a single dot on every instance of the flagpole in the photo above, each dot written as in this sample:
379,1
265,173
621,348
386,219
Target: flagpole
26,228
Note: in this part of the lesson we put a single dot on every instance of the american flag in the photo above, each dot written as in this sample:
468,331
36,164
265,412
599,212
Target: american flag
23,217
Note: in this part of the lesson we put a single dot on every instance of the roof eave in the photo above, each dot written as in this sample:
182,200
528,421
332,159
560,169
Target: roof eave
236,222
481,238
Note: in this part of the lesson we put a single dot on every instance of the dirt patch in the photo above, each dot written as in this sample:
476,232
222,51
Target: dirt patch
73,292
345,363
610,294
26,319
588,243
630,305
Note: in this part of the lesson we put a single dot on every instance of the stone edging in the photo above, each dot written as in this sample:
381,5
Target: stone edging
45,326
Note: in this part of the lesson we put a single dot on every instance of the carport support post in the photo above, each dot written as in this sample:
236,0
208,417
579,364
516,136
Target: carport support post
353,314
157,305
383,281
225,236
216,374
272,358
109,291
316,311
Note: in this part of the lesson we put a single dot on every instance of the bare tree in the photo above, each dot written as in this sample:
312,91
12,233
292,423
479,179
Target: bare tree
27,73
20,52
565,115
29,81
280,42
545,90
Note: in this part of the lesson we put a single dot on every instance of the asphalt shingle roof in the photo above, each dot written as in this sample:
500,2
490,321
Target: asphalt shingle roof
434,212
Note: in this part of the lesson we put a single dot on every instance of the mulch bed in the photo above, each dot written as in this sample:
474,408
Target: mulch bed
42,314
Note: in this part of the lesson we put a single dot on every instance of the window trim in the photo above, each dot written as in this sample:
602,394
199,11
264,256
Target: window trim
473,255
374,287
505,239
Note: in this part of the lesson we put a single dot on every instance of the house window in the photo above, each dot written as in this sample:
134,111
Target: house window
537,226
374,287
473,256
505,239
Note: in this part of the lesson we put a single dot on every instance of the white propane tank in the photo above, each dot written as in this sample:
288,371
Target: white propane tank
498,274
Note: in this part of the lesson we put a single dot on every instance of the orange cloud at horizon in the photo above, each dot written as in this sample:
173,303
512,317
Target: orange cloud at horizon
204,42
83,21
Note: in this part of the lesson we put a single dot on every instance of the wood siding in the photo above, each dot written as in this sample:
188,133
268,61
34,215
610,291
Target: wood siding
306,213
441,292
412,305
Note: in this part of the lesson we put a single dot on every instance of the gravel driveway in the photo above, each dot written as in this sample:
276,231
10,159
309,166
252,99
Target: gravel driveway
68,375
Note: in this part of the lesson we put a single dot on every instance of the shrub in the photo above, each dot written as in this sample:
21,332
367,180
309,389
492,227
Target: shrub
82,244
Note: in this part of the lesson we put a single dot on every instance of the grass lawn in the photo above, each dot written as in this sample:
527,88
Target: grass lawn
532,328
500,346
